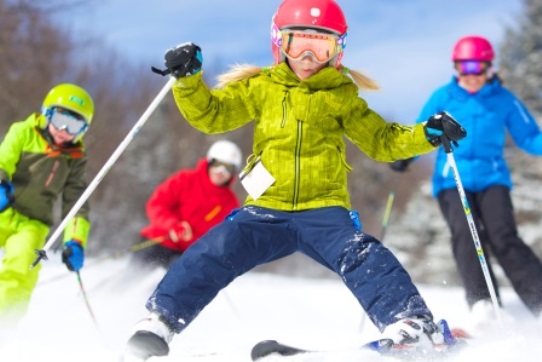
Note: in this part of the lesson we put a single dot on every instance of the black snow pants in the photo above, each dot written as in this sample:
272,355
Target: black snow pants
493,214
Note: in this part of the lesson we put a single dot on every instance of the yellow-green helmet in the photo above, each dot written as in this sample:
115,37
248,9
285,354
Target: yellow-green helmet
71,97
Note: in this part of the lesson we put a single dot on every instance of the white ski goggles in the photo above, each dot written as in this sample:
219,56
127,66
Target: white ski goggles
226,169
296,44
66,120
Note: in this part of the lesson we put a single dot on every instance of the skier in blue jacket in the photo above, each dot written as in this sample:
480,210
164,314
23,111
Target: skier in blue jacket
487,110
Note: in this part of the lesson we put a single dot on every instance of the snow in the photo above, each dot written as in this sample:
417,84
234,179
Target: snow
317,314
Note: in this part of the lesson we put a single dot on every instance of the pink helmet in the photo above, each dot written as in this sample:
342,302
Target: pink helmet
473,48
315,14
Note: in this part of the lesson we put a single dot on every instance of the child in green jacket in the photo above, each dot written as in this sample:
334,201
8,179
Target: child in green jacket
41,159
302,108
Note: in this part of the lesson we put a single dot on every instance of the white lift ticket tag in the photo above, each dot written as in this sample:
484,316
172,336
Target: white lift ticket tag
257,180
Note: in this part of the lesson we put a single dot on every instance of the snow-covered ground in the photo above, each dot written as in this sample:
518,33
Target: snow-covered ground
311,313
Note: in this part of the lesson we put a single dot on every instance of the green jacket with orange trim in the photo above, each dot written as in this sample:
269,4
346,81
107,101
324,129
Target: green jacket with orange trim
41,172
299,130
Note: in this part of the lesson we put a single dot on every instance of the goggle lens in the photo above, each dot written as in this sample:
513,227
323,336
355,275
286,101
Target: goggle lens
63,119
295,44
223,166
472,67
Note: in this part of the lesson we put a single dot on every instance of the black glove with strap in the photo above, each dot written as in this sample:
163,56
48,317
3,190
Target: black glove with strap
442,125
401,165
184,60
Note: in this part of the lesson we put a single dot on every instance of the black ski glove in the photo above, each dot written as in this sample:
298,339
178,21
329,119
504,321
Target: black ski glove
441,125
184,60
401,165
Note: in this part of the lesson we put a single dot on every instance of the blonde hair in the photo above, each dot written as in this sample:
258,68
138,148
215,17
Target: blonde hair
362,81
244,71
238,72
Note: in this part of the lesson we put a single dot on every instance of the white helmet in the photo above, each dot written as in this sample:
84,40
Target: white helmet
227,152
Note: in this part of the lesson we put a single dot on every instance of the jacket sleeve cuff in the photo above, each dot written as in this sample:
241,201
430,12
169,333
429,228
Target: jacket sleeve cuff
77,229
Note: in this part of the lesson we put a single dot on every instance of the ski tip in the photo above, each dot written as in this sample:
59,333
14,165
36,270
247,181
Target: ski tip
265,348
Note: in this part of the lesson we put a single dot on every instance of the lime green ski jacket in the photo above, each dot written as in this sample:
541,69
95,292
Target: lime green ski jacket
41,172
299,130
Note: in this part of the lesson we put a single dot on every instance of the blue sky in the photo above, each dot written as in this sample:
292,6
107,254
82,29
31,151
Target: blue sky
404,45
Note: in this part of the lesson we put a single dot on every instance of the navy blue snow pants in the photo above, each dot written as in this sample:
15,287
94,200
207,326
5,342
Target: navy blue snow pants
253,236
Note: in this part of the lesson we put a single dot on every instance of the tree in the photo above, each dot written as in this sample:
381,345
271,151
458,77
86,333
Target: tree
521,70
521,56
32,54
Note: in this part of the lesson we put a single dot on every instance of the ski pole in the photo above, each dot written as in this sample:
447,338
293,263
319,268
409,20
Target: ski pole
86,301
387,214
472,226
42,253
145,244
89,308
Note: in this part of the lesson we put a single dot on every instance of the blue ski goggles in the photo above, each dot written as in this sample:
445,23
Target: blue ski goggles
66,120
472,67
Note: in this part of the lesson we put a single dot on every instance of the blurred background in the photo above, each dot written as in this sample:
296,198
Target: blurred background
108,47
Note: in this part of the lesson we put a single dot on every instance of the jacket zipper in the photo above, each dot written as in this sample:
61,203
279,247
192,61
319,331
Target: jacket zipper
297,162
283,122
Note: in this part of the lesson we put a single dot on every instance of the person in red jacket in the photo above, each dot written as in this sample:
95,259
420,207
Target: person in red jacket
189,203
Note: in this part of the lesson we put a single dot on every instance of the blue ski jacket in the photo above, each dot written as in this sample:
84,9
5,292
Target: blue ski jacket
486,116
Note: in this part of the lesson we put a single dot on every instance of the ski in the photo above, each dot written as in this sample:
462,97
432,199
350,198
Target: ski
384,347
455,339
265,348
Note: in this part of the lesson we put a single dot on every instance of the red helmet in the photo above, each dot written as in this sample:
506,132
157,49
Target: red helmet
473,48
315,14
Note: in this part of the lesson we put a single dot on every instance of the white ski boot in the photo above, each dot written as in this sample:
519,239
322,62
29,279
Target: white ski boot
414,332
151,338
414,336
